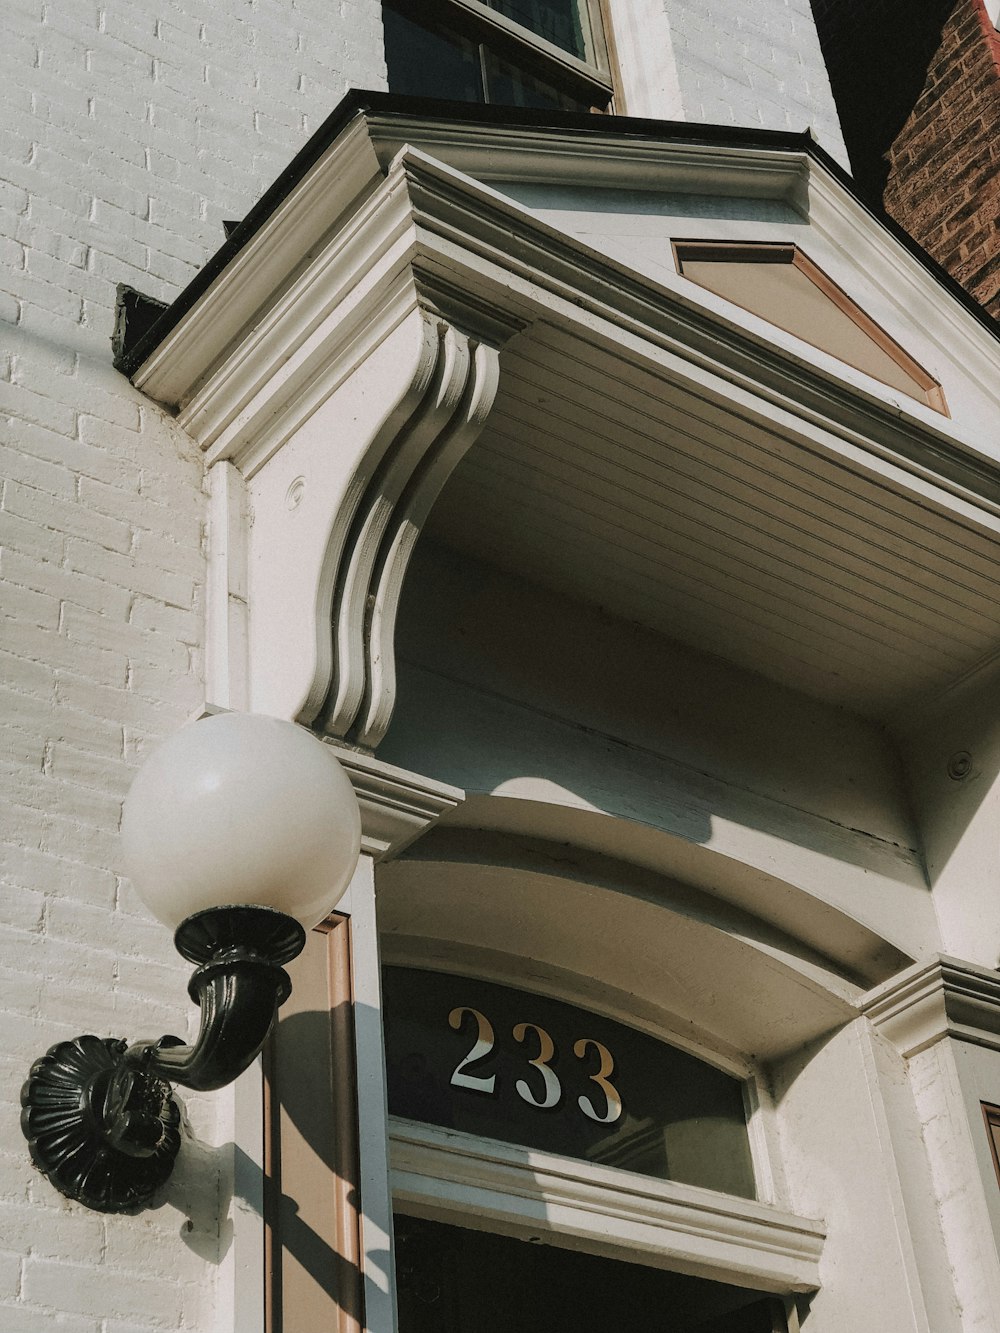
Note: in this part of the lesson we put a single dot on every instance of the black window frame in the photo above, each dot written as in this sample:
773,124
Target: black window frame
588,82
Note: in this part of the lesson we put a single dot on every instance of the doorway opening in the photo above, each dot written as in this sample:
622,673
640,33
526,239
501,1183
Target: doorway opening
450,1279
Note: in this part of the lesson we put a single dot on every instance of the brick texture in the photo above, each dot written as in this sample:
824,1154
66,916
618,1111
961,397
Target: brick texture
756,64
918,89
127,133
943,182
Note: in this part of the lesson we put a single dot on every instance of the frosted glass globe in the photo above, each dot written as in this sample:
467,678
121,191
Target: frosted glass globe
237,809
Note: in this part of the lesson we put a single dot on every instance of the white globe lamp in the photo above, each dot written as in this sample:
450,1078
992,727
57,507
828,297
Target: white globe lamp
241,809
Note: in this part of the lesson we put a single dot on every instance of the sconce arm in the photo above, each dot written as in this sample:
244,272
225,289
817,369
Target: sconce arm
98,1114
239,998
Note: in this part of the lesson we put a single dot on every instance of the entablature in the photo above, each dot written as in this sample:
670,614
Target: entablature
389,320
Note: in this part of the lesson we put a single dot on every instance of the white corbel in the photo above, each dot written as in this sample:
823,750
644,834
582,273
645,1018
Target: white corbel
310,540
333,381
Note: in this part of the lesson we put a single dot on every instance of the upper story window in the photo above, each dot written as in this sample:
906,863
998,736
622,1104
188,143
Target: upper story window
547,54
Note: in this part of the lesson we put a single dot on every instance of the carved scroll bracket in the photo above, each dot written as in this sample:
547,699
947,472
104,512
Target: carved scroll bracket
315,513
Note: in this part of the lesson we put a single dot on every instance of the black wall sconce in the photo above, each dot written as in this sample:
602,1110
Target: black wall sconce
240,833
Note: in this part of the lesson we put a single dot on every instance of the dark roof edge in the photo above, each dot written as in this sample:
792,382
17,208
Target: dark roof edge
129,355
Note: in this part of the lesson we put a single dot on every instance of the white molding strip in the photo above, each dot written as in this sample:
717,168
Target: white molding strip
396,806
483,1183
931,1001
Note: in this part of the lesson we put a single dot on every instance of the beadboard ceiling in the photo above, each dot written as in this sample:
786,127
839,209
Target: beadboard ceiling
617,488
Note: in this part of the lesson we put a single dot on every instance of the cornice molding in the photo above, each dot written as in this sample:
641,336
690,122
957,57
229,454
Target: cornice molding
508,256
263,263
429,218
932,1001
397,806
615,161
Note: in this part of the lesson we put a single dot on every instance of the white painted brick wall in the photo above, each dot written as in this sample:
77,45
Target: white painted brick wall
758,63
127,134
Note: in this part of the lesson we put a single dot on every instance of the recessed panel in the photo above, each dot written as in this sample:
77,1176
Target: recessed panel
783,286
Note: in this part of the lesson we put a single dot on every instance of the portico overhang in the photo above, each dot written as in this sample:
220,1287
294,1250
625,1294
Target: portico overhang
404,317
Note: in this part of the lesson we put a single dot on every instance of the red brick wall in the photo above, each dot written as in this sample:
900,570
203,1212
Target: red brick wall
943,184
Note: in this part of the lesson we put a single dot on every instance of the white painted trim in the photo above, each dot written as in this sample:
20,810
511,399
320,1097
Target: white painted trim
227,668
709,345
361,376
498,154
396,806
993,12
943,998
762,1131
269,255
495,1186
623,162
333,528
309,341
373,1123
595,71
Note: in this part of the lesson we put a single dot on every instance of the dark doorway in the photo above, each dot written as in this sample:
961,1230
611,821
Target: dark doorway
453,1280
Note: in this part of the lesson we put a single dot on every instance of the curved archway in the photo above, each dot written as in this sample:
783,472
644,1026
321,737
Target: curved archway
626,919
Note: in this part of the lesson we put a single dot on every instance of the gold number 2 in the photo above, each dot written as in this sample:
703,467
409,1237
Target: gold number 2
613,1102
482,1048
546,1050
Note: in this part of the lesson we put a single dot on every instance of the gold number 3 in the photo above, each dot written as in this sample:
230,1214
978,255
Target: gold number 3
546,1050
613,1102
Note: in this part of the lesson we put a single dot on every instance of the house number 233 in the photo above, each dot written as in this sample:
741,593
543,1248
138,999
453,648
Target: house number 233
545,1091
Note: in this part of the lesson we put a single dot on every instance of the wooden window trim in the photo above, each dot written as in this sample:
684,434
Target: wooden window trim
780,252
598,72
312,1219
991,1119
449,1176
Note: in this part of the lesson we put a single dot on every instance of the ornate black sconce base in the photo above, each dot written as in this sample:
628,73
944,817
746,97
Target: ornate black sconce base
66,1124
98,1114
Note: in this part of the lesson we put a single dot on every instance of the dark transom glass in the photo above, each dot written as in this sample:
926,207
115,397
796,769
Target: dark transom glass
561,22
507,1064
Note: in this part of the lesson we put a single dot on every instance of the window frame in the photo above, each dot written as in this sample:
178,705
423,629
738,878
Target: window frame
661,1025
538,56
492,1185
488,1185
470,962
